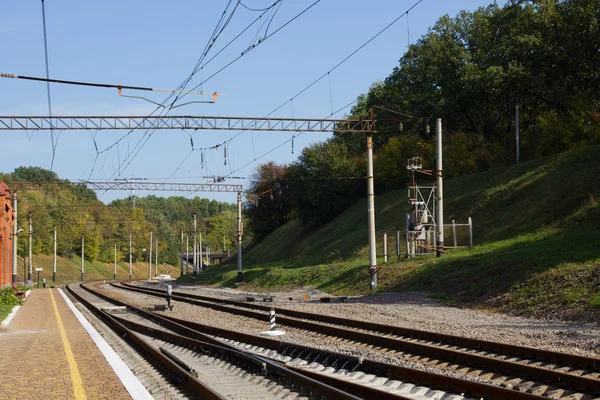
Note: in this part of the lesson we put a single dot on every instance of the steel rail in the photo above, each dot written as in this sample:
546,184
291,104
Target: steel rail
214,346
477,344
182,376
329,358
553,377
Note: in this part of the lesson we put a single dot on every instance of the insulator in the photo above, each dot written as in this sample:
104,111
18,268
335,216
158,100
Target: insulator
401,126
427,129
192,142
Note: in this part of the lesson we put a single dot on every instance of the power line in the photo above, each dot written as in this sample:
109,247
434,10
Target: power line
326,74
54,144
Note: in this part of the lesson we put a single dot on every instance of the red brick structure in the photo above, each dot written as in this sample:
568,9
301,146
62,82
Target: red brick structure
7,220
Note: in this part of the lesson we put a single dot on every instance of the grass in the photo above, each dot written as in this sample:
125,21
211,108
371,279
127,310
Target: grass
4,311
535,230
69,270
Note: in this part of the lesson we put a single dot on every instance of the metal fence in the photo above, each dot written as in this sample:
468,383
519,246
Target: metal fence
398,244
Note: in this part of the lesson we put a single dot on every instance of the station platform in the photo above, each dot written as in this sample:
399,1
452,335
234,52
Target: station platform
46,353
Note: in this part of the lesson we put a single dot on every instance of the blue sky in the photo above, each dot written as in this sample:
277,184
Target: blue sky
157,43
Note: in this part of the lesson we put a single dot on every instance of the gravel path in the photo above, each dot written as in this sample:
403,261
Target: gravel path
417,310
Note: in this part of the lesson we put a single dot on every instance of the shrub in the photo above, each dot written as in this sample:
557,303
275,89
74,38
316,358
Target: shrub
8,298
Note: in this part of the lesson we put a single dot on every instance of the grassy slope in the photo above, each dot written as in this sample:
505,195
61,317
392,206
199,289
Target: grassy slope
69,269
536,226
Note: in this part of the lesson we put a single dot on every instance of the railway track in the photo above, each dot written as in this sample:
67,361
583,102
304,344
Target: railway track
363,378
524,369
205,368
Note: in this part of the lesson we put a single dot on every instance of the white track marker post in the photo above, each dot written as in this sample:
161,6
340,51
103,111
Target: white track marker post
272,331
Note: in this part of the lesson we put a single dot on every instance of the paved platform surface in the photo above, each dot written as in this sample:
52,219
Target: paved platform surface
47,354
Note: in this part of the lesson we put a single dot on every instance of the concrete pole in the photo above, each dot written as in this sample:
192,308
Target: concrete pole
194,272
30,248
371,215
187,254
517,130
150,258
115,271
440,189
15,230
156,257
239,237
398,244
470,232
82,257
181,255
200,248
385,248
130,256
454,233
54,259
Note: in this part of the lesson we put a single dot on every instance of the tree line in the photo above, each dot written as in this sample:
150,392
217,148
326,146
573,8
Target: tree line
75,211
471,70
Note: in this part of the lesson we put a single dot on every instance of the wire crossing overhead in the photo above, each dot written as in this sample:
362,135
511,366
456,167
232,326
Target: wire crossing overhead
39,123
137,185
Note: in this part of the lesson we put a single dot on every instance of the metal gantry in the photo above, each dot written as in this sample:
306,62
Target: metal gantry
39,123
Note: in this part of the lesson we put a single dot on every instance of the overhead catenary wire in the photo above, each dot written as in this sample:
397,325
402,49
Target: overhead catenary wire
54,143
327,74
141,143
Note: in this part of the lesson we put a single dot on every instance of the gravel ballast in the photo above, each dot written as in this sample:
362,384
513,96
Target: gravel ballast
418,311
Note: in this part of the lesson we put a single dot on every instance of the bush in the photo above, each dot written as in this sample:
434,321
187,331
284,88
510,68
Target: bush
8,298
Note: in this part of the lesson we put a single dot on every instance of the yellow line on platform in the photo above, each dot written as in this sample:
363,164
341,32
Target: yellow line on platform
75,376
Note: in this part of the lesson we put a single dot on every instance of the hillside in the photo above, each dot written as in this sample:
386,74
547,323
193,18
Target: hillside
69,269
535,229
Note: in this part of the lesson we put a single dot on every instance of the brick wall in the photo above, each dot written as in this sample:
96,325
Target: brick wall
6,235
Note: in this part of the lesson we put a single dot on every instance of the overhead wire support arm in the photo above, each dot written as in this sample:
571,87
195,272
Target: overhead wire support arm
39,123
119,88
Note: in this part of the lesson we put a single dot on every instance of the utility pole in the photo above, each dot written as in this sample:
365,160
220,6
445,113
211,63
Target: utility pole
54,258
82,256
15,233
517,129
200,248
439,189
150,258
239,237
130,251
156,257
115,272
194,272
371,214
181,255
30,248
187,254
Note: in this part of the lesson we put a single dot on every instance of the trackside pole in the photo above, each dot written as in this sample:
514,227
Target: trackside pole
130,251
440,189
239,237
181,255
115,271
371,215
30,248
82,257
54,259
194,265
150,258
